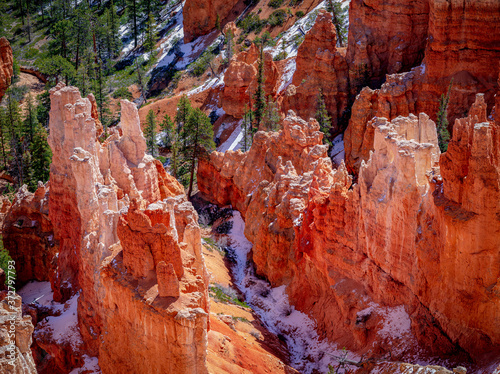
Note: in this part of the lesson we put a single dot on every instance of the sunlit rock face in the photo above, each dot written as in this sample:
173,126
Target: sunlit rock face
240,80
319,66
200,17
128,243
6,65
462,49
412,229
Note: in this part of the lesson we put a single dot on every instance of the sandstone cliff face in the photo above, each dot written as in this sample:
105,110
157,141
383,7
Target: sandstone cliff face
111,204
6,65
13,323
386,37
200,16
467,53
240,80
29,237
319,66
351,255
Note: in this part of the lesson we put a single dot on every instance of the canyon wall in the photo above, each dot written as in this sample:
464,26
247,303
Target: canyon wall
463,49
6,65
399,238
200,17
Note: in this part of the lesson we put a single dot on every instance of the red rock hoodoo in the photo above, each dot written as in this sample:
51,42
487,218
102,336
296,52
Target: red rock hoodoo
124,227
6,65
240,80
319,66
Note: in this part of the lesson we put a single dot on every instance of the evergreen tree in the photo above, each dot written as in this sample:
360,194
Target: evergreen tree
41,155
30,120
323,118
247,129
150,41
198,133
141,78
259,96
43,107
229,45
217,23
442,120
339,18
4,140
168,129
184,110
14,125
132,15
272,117
150,134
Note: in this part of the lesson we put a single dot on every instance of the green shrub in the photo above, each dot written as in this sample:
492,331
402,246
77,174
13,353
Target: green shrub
250,23
226,295
122,93
277,18
280,56
295,2
276,3
299,14
31,53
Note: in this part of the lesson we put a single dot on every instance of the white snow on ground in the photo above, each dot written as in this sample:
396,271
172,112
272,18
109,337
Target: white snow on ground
288,72
64,327
338,153
91,365
211,83
307,351
233,143
304,24
37,293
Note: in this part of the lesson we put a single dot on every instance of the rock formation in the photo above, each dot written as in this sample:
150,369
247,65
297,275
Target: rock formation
319,66
129,244
6,65
16,336
386,37
389,242
240,80
200,17
29,237
473,41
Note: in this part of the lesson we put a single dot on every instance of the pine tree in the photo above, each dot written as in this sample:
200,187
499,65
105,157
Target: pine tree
14,125
259,96
442,120
323,118
229,44
272,117
168,129
247,129
132,13
30,120
41,155
198,133
150,41
150,134
4,140
217,23
339,18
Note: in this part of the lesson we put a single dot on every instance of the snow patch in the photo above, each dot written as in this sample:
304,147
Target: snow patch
337,153
308,353
91,365
37,293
